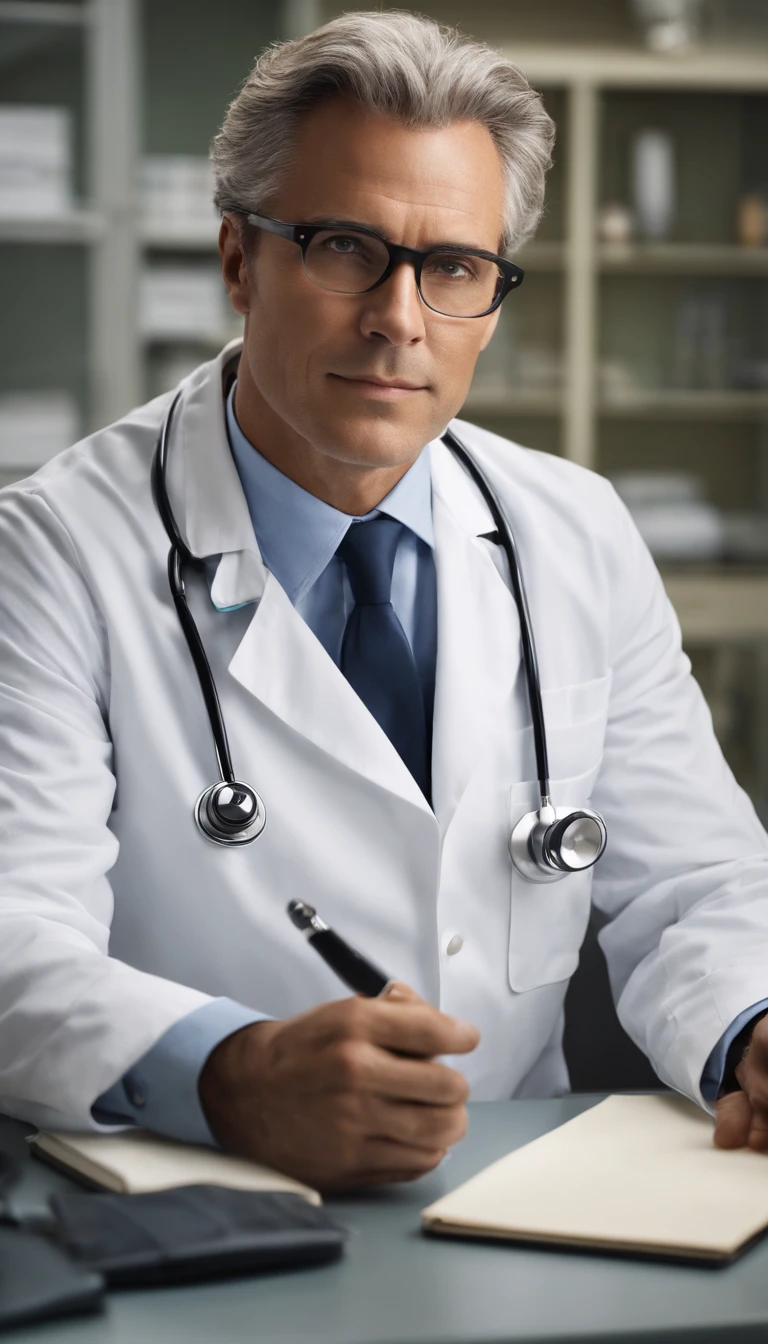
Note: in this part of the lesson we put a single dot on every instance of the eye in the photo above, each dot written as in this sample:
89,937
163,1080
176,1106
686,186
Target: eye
452,268
342,244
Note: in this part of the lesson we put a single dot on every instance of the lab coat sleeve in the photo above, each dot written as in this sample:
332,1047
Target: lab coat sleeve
160,1091
684,878
72,1018
712,1077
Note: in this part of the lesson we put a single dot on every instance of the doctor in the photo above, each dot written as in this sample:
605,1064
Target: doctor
148,974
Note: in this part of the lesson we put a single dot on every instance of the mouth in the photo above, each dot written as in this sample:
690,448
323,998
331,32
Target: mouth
380,387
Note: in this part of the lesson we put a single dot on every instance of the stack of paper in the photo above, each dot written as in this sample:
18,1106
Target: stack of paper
637,1174
133,1162
35,161
182,303
176,191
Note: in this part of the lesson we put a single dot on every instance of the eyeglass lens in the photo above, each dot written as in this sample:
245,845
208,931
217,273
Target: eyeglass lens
452,283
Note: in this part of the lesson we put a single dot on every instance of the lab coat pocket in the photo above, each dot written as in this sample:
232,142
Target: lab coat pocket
548,920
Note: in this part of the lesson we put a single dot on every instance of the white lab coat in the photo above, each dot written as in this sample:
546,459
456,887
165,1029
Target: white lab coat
117,918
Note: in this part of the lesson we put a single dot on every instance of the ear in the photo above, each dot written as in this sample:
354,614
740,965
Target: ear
234,267
490,328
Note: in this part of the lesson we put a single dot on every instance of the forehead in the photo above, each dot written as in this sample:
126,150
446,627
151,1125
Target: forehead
416,185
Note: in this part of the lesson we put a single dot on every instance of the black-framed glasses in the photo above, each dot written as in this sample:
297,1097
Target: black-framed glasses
453,281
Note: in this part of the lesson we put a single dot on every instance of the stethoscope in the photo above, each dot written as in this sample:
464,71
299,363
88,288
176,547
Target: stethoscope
545,845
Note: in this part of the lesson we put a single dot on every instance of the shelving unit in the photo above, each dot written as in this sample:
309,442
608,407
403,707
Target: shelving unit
127,74
105,108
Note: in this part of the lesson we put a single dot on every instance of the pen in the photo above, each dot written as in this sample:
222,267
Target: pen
355,970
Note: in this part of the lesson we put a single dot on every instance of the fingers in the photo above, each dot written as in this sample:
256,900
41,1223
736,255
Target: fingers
733,1120
397,989
363,1067
383,1157
416,1028
428,1128
758,1131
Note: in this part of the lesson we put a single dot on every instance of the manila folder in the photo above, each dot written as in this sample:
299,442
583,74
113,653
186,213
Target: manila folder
135,1161
637,1174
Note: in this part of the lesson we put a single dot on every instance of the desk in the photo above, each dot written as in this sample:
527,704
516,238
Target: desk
395,1286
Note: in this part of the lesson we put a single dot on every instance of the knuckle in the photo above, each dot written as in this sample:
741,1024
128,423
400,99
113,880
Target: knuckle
454,1088
356,1015
349,1060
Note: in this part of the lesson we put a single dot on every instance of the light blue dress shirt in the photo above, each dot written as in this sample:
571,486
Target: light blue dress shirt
298,535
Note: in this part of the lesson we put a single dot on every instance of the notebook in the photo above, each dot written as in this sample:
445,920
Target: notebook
134,1162
635,1174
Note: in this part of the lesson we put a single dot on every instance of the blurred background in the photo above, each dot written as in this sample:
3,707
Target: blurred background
638,345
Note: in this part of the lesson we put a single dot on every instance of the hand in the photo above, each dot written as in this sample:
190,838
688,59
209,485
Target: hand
742,1116
347,1094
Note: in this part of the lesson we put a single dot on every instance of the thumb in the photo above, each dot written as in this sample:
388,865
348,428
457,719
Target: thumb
733,1119
399,991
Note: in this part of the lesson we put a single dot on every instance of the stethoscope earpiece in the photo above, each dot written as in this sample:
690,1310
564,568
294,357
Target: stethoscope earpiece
547,845
230,814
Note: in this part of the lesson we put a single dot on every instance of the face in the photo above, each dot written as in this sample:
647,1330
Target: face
302,395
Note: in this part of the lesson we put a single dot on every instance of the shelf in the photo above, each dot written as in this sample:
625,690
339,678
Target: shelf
36,11
214,341
180,235
542,257
519,403
612,67
684,405
713,605
77,226
682,259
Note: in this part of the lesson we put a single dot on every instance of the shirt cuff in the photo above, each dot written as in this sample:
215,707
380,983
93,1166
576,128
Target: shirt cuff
159,1092
712,1077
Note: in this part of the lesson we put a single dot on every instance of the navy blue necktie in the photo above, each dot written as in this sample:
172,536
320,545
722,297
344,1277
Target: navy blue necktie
376,657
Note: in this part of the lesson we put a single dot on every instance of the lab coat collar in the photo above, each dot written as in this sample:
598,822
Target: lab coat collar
210,500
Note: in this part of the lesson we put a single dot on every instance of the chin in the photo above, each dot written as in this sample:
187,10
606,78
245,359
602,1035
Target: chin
373,444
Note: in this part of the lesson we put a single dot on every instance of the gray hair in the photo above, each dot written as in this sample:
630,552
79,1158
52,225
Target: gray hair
403,66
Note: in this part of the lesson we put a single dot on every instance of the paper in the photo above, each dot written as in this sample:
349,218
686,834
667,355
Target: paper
634,1173
136,1162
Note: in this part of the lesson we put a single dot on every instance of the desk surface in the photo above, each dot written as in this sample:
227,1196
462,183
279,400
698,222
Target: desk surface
396,1286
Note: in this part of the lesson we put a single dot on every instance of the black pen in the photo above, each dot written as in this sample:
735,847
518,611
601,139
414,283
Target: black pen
355,970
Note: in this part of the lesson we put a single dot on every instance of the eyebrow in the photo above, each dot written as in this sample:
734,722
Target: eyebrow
334,223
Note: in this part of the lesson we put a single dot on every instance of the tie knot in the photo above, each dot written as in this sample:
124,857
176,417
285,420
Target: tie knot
368,551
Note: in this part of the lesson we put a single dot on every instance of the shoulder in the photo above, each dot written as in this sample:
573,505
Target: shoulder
548,491
116,455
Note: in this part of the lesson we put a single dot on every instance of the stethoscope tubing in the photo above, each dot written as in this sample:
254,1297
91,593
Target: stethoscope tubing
530,661
180,554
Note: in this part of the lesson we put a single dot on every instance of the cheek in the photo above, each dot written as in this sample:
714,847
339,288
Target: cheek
455,352
292,335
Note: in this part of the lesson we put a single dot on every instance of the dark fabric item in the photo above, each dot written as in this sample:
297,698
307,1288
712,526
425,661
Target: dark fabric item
193,1232
376,658
38,1280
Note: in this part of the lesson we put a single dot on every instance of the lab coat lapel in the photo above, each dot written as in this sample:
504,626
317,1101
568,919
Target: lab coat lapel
478,646
282,663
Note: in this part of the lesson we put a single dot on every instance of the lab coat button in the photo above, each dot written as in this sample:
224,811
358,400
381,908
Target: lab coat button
455,945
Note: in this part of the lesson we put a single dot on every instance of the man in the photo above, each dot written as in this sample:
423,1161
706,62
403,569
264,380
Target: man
355,607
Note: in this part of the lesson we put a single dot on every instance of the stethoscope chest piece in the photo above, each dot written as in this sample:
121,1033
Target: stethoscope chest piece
547,845
230,814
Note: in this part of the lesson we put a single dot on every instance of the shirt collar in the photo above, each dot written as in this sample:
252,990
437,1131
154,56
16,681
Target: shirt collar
297,533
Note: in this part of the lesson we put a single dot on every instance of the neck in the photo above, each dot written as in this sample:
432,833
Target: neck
351,487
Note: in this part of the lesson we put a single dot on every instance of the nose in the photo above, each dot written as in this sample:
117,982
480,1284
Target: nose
394,312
